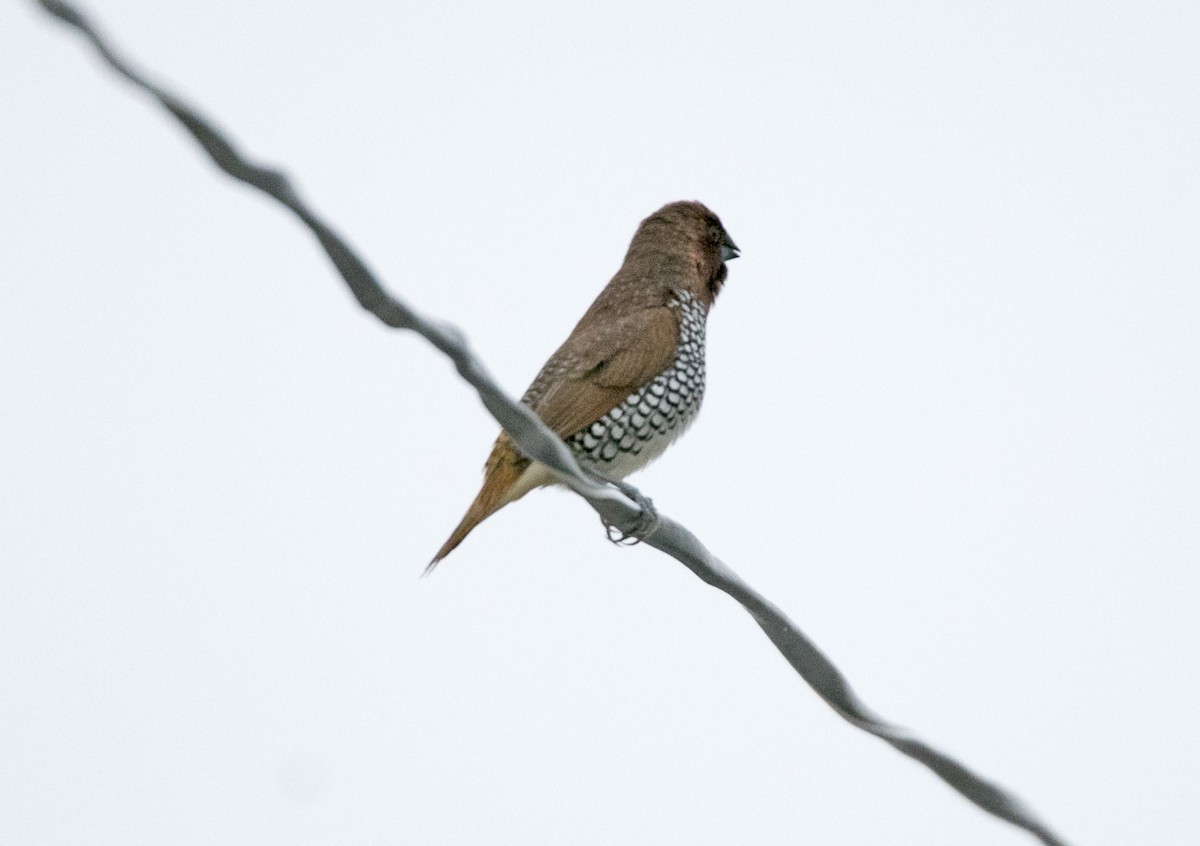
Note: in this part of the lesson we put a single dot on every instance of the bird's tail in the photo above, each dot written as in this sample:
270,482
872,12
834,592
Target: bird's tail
504,468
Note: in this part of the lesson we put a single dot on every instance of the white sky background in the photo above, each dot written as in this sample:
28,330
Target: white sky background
952,425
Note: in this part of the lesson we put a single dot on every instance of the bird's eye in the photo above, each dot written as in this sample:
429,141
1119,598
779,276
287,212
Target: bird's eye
714,234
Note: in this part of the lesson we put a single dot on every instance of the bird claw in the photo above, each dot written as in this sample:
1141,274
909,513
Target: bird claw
647,520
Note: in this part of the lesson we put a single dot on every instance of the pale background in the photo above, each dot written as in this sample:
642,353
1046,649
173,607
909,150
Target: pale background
952,425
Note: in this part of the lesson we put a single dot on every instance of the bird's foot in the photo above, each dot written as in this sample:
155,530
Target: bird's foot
647,520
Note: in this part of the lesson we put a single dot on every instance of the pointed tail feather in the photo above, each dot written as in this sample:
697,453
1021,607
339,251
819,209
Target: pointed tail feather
475,515
504,467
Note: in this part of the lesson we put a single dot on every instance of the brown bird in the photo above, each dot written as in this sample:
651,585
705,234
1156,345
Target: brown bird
630,377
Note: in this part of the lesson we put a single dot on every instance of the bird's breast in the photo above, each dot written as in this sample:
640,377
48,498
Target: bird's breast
638,430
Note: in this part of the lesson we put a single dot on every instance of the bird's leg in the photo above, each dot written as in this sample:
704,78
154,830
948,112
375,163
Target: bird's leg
647,521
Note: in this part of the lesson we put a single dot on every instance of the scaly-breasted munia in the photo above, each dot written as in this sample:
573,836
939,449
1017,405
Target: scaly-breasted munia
630,377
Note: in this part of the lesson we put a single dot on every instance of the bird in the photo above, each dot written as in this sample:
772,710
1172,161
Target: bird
629,379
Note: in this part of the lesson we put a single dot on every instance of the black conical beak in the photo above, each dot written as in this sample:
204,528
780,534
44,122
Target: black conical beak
729,250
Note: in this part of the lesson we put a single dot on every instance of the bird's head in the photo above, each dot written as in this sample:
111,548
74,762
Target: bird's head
688,230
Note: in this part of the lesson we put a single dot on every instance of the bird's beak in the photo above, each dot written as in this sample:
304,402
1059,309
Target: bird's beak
729,250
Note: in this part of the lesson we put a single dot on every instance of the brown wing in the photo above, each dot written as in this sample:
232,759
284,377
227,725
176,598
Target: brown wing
607,366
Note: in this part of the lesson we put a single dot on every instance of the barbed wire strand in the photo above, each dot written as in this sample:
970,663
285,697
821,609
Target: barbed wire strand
539,443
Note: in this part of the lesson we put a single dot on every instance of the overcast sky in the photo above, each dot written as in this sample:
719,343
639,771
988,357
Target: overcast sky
952,425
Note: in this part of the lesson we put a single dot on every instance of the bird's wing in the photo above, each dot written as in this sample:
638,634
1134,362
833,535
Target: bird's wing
609,365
